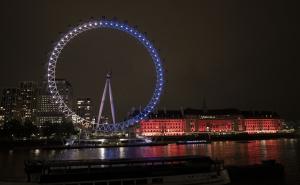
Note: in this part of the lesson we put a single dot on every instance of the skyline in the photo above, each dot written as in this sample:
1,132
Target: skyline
233,54
38,91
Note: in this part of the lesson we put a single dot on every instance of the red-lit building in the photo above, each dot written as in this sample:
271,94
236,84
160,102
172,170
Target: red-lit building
190,121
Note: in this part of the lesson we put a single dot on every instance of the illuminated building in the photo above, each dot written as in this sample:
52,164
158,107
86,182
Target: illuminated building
190,121
10,103
84,108
2,115
28,97
48,110
19,103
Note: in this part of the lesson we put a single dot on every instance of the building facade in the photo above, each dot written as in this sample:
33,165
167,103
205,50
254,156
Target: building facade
19,103
48,110
10,104
2,116
28,103
187,122
84,108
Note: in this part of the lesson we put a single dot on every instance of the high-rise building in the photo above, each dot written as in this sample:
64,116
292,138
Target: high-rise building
2,115
84,108
10,103
28,100
48,110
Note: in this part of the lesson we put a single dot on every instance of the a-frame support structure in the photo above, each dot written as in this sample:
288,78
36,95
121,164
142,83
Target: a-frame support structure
107,83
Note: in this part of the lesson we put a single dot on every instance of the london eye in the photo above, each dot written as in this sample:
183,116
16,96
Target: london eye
114,25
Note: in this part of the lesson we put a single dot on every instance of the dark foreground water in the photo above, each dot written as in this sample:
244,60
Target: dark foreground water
285,151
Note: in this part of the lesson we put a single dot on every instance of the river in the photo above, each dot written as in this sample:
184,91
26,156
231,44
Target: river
285,151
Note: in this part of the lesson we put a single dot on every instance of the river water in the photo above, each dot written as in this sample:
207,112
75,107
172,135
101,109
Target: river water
285,151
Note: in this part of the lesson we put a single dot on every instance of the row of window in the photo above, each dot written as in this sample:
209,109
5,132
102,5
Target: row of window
160,130
165,127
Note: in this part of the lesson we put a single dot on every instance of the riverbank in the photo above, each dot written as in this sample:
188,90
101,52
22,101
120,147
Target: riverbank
56,145
157,141
226,137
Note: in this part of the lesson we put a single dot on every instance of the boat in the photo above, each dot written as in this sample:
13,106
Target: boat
181,170
193,142
108,142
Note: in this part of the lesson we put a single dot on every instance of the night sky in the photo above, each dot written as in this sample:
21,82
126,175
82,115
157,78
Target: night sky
233,54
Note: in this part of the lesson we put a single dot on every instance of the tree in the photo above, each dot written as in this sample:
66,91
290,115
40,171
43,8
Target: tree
13,128
67,128
48,129
29,128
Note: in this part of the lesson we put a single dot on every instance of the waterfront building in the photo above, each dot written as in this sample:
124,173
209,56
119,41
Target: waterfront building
84,108
225,121
48,110
28,100
10,103
2,116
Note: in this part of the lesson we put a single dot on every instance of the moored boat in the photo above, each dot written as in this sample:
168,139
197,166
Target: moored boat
186,170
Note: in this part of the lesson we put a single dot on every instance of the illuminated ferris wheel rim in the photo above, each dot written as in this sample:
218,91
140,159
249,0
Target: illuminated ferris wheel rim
108,24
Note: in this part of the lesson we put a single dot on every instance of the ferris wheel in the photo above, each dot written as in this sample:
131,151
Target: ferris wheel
114,25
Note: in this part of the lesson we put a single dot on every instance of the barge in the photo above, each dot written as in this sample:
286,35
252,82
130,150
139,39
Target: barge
187,170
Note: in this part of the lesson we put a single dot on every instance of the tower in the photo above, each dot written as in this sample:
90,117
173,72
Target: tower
107,83
10,103
28,103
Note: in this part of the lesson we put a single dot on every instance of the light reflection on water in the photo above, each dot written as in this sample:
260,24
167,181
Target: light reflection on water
286,151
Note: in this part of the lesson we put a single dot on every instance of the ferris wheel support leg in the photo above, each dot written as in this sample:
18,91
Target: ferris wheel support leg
102,103
112,107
